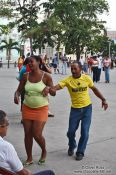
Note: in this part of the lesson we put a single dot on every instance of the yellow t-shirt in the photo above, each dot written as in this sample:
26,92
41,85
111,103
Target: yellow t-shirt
78,90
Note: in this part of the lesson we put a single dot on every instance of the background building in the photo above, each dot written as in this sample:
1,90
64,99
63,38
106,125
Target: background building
112,35
12,34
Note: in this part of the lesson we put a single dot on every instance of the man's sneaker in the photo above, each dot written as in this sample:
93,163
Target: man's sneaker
79,156
70,152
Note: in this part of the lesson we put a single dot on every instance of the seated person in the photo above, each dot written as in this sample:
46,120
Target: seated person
8,156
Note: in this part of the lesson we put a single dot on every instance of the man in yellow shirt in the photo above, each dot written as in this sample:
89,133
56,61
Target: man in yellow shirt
81,108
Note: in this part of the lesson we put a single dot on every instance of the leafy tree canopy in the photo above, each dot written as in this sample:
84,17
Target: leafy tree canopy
6,8
79,20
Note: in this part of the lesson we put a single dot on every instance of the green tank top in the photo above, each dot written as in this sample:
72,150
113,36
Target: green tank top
33,94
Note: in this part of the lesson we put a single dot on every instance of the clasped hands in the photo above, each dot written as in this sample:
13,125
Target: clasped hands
48,90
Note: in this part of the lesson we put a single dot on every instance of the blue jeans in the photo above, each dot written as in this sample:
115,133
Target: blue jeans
47,172
107,72
85,67
78,115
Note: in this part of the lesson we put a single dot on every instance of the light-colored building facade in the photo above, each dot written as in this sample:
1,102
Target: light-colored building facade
13,34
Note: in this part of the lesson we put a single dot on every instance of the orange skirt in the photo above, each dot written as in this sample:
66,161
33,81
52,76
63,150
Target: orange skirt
39,114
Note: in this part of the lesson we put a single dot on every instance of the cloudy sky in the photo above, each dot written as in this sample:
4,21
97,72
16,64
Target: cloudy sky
111,18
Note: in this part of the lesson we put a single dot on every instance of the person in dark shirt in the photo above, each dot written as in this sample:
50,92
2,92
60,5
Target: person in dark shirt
46,68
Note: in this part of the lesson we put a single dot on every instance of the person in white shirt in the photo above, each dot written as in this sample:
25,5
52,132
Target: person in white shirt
95,69
100,60
82,61
8,155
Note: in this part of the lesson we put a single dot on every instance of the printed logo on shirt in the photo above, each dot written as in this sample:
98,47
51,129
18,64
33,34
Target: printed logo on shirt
80,89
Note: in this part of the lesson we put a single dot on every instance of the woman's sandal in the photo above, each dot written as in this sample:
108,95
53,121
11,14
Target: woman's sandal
27,163
41,162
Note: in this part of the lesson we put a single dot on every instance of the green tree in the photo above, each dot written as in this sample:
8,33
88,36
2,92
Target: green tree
6,9
99,44
113,49
28,18
47,31
79,20
9,45
4,29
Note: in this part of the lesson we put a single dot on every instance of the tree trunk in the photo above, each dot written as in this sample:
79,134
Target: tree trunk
8,66
39,50
7,54
85,54
31,46
78,53
9,57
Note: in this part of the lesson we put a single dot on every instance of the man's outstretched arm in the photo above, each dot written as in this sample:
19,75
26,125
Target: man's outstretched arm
99,95
55,88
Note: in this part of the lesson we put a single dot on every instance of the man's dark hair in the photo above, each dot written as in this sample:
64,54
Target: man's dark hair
77,62
2,117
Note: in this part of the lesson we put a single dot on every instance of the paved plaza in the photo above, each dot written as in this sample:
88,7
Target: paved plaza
100,156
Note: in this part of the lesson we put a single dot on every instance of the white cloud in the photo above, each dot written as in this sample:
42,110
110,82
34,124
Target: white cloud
110,18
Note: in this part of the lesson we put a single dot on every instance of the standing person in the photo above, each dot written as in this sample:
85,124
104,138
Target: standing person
43,66
46,68
95,69
106,65
90,62
85,67
8,156
64,64
55,63
35,106
81,109
25,68
81,60
100,60
20,62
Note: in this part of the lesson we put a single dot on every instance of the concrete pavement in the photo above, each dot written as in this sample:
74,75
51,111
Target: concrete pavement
100,156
